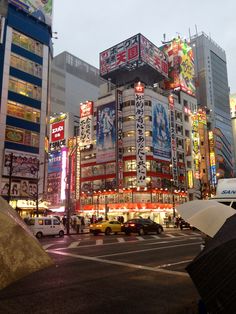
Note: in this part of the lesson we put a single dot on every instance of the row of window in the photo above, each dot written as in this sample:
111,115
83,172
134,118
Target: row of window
25,88
17,110
27,43
26,65
21,136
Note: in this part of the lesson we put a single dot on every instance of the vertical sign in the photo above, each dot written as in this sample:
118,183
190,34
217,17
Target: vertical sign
173,140
119,158
196,146
86,123
78,161
140,135
63,173
212,158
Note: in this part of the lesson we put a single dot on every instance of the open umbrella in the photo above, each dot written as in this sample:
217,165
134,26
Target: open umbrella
213,270
207,216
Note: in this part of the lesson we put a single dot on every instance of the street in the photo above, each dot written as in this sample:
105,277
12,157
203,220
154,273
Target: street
110,274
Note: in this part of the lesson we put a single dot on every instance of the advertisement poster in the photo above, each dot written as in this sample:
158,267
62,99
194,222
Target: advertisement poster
54,162
181,66
140,135
19,188
57,131
40,9
161,140
23,164
86,123
106,132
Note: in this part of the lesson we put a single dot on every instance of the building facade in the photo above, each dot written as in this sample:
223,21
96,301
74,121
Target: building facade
212,92
24,71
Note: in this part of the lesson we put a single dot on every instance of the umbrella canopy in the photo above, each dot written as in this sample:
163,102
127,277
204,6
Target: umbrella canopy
20,252
207,216
213,270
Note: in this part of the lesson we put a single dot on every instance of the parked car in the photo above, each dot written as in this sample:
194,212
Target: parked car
185,225
106,226
141,226
43,226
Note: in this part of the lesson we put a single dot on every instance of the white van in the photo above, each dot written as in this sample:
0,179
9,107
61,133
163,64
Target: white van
43,226
226,192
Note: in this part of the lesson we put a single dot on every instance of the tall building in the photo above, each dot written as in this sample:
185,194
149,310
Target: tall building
233,117
212,92
25,50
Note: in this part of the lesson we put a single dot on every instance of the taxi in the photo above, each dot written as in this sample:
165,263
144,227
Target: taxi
106,226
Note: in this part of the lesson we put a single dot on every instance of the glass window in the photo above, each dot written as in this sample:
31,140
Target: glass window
24,88
40,222
26,65
21,136
27,43
23,112
56,222
48,222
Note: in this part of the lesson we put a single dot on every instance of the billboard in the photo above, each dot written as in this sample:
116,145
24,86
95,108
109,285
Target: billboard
140,135
161,138
57,131
173,141
132,58
19,188
24,165
86,123
181,66
106,132
40,9
233,105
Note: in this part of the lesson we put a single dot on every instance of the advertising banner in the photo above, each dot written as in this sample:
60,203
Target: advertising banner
54,162
140,135
153,56
196,146
40,9
23,164
86,123
161,138
181,66
106,132
19,188
54,188
173,141
119,157
57,131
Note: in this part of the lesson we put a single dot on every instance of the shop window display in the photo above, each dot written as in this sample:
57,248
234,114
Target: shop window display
24,88
26,65
21,136
27,43
23,112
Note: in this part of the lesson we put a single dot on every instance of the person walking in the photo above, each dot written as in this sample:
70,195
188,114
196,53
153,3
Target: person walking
78,225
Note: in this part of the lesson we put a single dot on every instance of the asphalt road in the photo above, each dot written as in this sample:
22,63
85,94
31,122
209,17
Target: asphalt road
110,274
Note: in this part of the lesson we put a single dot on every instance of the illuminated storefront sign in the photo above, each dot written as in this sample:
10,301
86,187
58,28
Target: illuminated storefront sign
63,173
57,131
196,146
212,158
140,135
173,141
78,171
190,179
86,123
119,154
106,133
181,66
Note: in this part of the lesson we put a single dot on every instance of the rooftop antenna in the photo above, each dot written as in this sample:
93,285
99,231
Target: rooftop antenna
196,29
189,33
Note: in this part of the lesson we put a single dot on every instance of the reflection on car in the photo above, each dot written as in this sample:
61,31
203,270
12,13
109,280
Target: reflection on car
185,225
106,226
141,226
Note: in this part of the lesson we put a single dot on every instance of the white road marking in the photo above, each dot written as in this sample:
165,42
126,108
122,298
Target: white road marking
170,235
73,245
140,238
120,240
95,259
172,264
156,237
152,249
195,233
46,246
99,242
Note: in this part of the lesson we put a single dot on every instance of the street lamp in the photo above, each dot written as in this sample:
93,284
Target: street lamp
173,196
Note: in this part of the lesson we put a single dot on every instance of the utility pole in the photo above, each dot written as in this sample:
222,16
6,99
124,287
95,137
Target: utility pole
68,200
37,191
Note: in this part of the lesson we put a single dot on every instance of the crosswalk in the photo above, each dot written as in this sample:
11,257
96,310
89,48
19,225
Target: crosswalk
118,240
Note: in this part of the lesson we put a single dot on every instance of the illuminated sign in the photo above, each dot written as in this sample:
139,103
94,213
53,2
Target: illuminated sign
196,145
140,135
63,173
57,131
119,175
190,179
212,158
86,123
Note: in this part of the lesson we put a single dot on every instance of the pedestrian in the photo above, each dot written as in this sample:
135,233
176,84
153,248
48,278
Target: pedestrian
64,220
78,225
82,224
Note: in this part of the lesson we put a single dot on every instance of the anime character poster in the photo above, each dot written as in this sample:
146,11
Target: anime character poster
106,132
161,139
41,9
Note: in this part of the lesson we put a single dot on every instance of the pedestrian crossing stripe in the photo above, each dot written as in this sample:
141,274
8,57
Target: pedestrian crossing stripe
99,242
73,245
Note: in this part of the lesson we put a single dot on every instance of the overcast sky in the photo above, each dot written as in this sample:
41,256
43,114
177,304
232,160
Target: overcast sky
88,27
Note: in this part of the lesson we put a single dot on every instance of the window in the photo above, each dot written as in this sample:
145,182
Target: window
21,136
56,222
17,110
26,65
40,222
24,88
48,222
27,43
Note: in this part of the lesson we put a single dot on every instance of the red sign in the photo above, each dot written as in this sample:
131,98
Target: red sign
139,88
58,131
86,109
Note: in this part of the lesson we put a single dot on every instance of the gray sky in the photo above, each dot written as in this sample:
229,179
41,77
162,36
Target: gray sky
88,27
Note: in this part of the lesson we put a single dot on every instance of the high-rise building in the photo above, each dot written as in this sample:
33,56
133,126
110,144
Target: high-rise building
212,92
25,51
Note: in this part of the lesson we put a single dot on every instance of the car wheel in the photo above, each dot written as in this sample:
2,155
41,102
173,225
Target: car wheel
159,230
141,232
95,233
39,235
127,232
61,234
108,231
